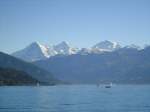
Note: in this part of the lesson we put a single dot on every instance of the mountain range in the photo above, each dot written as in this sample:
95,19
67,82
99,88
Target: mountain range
125,65
104,62
36,51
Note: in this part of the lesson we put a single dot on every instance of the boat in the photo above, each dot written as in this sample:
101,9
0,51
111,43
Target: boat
108,86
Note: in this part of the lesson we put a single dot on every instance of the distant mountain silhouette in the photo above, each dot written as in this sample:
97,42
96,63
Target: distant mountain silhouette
125,65
7,61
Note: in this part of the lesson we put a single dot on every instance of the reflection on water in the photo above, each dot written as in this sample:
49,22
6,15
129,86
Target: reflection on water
75,98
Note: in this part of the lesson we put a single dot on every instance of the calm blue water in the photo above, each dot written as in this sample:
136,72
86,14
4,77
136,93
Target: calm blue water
75,98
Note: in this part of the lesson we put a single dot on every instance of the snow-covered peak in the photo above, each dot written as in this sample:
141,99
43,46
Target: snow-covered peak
34,44
62,45
43,48
63,48
133,46
33,52
106,46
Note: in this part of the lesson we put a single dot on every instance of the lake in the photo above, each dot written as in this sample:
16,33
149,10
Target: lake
75,98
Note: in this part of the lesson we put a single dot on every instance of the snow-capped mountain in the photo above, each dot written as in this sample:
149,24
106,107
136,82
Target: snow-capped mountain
133,46
65,49
106,46
33,52
37,51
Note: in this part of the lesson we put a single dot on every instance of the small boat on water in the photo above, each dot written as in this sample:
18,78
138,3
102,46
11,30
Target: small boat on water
108,86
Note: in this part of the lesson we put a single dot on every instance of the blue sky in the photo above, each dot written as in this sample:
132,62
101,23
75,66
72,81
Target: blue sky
82,23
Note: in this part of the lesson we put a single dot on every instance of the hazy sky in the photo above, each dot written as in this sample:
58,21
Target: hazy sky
82,23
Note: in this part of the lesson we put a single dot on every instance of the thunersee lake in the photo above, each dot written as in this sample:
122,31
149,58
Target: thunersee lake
75,98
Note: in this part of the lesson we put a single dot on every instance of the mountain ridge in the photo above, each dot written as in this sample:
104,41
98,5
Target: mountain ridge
36,51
